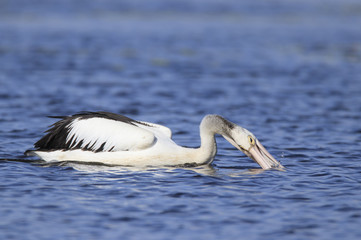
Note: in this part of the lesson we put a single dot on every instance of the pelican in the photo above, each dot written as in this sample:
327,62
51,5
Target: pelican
112,139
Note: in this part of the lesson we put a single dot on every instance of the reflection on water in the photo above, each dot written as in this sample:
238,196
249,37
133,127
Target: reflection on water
208,170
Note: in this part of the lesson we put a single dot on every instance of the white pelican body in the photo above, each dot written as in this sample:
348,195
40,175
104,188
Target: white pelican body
117,140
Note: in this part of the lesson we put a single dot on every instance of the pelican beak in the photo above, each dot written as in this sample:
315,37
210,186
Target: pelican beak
261,156
258,153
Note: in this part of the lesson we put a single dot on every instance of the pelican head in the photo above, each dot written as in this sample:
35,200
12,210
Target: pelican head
242,139
247,142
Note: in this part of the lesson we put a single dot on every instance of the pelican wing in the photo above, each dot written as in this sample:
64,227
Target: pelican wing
156,128
97,132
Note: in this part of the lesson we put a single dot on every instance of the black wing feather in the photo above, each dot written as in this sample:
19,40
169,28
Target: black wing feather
55,138
57,134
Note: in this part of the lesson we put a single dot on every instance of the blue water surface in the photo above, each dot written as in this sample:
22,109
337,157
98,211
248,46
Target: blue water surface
289,71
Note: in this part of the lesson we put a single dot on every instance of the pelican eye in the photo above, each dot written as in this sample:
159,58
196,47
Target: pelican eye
251,140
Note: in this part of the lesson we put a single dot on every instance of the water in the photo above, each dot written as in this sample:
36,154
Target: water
288,71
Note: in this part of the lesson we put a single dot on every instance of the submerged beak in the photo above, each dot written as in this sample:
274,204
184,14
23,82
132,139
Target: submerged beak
261,156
